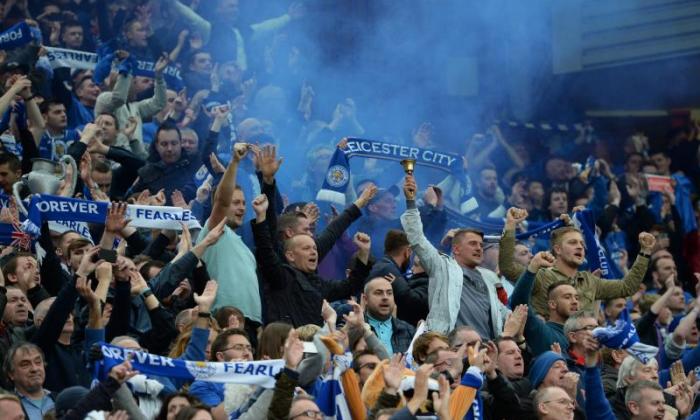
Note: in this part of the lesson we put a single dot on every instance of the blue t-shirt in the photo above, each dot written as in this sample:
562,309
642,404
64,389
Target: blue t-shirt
53,147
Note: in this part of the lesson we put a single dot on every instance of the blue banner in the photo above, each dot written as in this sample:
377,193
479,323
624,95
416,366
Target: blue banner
17,36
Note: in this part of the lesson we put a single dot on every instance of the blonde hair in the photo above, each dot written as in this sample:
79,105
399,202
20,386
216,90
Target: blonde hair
308,331
183,339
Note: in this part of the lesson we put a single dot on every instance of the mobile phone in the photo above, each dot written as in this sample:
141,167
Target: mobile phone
108,255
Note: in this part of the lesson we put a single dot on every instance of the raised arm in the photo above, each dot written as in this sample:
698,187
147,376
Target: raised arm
610,289
510,268
147,108
335,229
413,226
225,189
269,262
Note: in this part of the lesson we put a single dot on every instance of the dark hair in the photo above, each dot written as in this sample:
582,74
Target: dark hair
394,241
272,339
503,338
221,341
101,167
77,244
11,266
147,267
153,155
552,191
224,313
11,160
46,105
163,413
109,114
24,347
288,221
187,413
358,355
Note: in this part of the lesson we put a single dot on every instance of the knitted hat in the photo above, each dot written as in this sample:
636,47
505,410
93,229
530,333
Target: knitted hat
68,398
541,366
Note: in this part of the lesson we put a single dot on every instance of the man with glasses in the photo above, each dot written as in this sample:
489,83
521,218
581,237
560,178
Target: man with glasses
553,403
304,408
230,346
577,328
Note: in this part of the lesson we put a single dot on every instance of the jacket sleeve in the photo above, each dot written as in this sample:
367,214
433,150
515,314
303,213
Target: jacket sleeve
335,229
124,400
197,345
119,320
49,330
413,227
507,265
336,290
108,102
269,263
597,406
147,108
157,339
506,399
36,294
271,192
538,336
172,274
98,399
629,285
53,277
283,395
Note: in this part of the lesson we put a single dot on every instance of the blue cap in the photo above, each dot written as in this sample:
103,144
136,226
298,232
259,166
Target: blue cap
541,366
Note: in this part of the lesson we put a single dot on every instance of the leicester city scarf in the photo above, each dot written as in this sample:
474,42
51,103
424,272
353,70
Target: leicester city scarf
44,207
338,175
261,373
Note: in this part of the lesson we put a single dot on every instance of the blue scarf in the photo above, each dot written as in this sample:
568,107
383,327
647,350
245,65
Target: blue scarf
623,335
18,35
44,207
596,255
261,373
338,175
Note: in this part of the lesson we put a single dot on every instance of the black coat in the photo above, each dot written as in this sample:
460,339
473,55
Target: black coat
411,296
293,296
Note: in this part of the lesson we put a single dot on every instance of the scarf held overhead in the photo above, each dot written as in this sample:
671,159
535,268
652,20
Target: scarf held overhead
44,207
338,175
261,373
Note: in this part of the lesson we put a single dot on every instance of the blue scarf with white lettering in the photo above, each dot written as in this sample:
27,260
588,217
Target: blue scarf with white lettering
18,35
337,177
261,373
596,255
63,57
44,207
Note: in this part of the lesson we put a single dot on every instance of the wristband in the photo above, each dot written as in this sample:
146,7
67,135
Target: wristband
146,293
644,254
203,314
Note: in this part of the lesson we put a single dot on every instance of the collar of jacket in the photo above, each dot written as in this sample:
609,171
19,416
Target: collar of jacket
184,161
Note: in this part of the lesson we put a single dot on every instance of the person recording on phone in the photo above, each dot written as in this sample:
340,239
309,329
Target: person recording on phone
171,167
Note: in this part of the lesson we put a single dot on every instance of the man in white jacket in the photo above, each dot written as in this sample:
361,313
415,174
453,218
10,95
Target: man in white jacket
459,292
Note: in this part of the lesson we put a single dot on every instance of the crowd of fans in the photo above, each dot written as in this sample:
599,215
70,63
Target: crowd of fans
441,320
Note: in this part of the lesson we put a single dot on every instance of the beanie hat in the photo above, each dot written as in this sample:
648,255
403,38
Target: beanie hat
541,366
69,398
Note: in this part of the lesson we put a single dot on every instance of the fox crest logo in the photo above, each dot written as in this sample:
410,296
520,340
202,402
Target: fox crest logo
200,370
338,176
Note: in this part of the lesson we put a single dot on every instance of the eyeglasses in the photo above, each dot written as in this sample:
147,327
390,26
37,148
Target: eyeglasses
309,413
586,328
562,401
239,347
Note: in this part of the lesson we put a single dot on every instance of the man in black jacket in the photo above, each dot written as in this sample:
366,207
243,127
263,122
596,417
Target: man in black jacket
411,296
295,291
